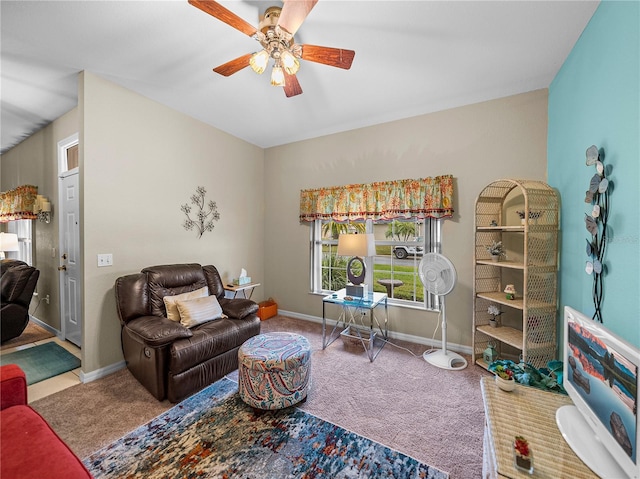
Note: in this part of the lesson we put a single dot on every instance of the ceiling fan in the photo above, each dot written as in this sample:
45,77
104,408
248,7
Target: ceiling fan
275,35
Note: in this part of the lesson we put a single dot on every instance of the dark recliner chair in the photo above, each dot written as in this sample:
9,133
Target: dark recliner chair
169,359
18,282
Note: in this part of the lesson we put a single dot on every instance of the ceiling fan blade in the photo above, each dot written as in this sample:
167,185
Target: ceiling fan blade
335,57
291,85
233,66
293,14
221,13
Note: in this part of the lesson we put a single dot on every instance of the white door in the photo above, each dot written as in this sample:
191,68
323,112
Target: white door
70,260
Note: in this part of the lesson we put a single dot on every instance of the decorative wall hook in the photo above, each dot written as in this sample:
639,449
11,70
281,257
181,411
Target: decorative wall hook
204,217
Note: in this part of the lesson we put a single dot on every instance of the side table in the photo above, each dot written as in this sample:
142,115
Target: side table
352,308
531,413
235,289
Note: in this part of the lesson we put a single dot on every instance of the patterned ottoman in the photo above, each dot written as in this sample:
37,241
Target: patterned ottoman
274,370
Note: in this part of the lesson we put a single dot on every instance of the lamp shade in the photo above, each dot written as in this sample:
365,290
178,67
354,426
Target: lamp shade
9,242
356,245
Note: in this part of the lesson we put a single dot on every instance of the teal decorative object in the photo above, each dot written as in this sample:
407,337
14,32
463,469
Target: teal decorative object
528,375
490,354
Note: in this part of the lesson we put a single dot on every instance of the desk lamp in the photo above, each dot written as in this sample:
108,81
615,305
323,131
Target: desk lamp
8,242
356,245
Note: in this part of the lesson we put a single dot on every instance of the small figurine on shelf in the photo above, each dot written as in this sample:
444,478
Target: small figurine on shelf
490,354
510,291
494,223
522,455
496,250
533,215
494,311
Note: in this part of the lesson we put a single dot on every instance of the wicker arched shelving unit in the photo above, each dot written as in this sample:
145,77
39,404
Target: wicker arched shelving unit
528,323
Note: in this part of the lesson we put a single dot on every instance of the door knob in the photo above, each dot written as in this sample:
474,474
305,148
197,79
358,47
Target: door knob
62,268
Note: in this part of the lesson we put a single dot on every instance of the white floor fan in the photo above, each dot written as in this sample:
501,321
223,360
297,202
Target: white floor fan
438,276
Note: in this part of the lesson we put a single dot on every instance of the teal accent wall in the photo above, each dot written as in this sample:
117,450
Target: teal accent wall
595,100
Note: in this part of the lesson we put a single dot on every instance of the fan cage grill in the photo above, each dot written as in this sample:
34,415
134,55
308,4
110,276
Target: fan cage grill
440,265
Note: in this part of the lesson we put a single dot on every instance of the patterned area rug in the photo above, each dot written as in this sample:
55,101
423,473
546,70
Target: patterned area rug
213,434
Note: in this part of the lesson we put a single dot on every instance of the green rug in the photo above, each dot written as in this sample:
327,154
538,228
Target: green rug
42,362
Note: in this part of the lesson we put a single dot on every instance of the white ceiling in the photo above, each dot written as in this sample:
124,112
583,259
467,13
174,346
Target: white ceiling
412,57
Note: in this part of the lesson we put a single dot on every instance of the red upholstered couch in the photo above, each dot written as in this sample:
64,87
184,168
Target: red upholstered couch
29,448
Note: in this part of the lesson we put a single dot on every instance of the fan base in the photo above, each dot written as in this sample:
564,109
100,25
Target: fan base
445,359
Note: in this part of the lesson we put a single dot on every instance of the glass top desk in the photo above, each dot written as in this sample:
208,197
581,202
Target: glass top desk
352,320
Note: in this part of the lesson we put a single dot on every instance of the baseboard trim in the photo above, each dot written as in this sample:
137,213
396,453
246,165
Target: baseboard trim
112,368
460,348
102,372
46,326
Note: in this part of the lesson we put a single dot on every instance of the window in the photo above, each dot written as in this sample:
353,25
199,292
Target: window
404,218
400,245
23,228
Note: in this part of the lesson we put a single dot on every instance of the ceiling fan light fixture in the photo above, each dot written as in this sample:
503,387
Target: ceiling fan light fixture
277,76
258,61
290,62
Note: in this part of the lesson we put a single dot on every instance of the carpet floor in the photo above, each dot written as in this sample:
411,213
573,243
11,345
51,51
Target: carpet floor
31,334
213,434
399,400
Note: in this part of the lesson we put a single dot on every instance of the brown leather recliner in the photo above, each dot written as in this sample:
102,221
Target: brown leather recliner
169,359
18,282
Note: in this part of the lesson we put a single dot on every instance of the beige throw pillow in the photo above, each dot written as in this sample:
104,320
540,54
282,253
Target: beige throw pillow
170,301
198,311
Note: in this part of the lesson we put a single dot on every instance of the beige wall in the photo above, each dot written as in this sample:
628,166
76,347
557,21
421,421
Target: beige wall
139,162
504,138
34,161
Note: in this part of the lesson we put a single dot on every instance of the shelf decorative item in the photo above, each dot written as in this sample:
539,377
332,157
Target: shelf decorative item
596,223
204,217
523,459
504,378
548,378
533,215
510,291
490,354
494,311
496,250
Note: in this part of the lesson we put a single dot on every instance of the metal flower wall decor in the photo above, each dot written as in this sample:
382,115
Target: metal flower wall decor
205,216
596,223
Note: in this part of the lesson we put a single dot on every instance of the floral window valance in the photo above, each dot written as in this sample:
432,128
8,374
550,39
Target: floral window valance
388,200
18,204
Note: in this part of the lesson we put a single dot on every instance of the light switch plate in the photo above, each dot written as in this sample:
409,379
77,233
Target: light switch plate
105,259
